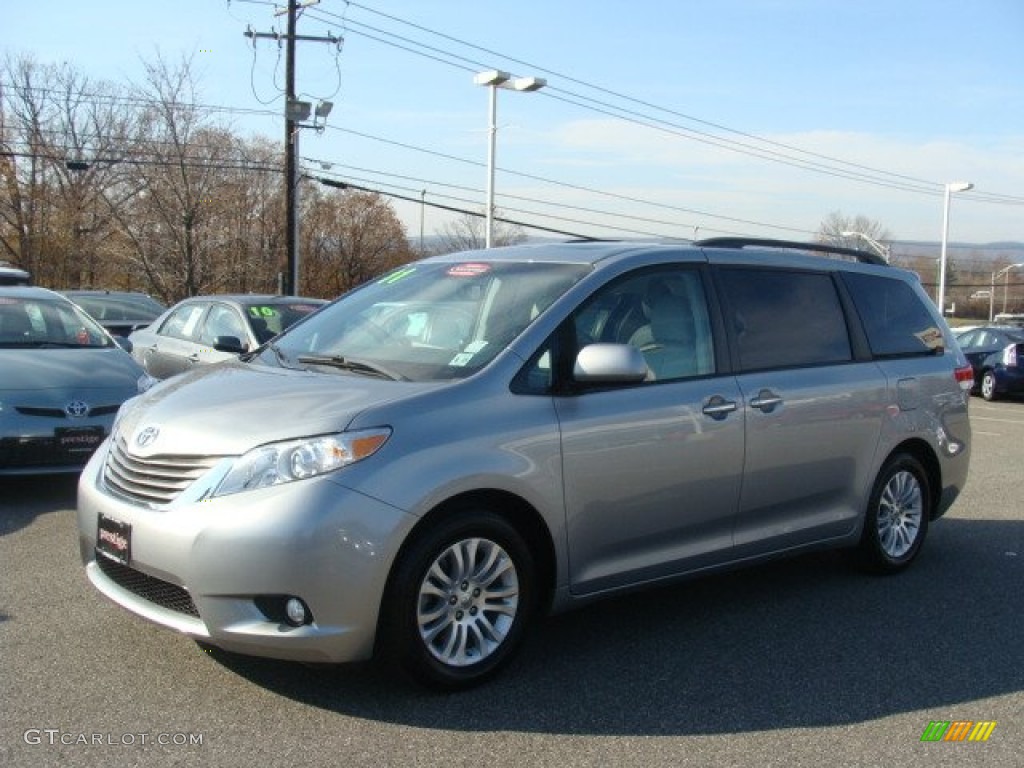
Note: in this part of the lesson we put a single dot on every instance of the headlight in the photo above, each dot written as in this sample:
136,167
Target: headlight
145,382
298,459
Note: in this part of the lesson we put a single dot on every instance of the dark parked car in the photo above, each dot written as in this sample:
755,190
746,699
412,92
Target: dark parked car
62,379
996,353
13,276
209,329
120,312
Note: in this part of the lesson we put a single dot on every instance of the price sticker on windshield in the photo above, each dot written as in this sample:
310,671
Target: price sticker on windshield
472,269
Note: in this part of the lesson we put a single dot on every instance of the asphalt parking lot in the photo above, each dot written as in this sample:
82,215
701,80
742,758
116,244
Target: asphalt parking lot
798,663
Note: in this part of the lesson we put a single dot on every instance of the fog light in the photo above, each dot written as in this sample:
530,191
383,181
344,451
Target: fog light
295,610
284,609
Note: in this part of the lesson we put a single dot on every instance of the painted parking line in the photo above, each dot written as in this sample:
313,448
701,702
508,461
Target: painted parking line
1000,421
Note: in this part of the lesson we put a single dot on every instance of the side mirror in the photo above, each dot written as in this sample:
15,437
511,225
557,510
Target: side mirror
231,344
610,364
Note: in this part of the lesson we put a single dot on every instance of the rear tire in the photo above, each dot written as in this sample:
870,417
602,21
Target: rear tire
459,600
988,386
896,521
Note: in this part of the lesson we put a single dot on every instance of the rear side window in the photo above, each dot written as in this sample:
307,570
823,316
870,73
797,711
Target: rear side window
895,320
783,319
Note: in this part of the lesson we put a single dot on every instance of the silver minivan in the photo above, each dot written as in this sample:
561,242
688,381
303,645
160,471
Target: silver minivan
419,469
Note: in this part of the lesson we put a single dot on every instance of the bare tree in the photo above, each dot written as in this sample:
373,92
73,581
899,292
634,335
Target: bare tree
103,188
178,176
468,233
347,238
62,136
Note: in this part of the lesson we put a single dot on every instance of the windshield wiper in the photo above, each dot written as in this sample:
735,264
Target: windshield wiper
352,364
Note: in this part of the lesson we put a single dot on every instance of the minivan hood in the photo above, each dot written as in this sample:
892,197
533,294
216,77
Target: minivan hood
230,408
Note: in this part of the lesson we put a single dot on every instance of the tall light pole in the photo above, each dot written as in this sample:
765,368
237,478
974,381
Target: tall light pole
883,250
495,79
953,186
992,293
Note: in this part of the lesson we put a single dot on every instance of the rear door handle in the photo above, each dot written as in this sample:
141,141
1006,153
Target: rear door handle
766,401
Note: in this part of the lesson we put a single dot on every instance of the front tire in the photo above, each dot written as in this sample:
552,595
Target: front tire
896,522
459,600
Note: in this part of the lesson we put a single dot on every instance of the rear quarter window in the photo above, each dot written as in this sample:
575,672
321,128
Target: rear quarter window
895,320
784,319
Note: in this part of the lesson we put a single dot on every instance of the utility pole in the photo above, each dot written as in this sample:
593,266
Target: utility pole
291,159
292,122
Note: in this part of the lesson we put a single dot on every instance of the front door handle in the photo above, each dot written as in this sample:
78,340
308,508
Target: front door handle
718,407
766,401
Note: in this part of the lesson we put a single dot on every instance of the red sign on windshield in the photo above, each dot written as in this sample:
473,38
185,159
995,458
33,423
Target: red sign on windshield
469,270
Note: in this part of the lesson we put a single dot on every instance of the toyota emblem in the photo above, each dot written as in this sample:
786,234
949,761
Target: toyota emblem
76,409
147,436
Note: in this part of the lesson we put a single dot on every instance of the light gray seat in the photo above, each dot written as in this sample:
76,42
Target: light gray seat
671,352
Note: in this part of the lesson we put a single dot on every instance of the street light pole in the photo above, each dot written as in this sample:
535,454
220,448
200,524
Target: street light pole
992,292
953,186
495,79
883,250
423,212
492,135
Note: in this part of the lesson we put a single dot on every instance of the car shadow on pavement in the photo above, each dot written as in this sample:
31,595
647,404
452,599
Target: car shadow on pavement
25,498
800,643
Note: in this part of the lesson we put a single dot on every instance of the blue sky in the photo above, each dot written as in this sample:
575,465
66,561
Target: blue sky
661,117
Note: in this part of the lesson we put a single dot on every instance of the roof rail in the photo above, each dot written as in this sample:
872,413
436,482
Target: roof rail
754,242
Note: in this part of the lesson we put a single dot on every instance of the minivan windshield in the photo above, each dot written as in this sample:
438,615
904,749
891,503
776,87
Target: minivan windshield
429,320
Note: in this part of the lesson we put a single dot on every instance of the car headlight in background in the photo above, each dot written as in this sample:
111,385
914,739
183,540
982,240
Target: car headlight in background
286,462
145,382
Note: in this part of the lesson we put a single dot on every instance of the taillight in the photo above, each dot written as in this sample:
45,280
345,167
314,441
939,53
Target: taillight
965,378
1010,356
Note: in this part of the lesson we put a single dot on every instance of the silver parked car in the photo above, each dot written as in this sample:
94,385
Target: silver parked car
419,468
209,329
62,379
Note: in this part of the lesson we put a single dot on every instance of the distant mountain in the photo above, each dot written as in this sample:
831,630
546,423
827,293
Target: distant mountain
979,251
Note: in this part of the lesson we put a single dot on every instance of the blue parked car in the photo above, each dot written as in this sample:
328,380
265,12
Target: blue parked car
996,353
62,379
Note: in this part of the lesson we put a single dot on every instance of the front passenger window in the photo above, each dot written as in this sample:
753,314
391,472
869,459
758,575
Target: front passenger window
663,313
222,321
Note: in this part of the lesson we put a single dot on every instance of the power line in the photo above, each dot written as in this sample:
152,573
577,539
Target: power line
567,185
854,171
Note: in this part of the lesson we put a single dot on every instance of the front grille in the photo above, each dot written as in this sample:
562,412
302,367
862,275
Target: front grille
149,588
153,480
59,413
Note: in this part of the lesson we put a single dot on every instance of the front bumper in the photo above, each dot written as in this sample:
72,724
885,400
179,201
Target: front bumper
198,567
33,446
